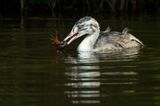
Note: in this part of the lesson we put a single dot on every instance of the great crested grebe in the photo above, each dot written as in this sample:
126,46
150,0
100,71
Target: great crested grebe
96,40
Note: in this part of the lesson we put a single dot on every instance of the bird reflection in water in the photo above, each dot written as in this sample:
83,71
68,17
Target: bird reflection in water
89,80
83,84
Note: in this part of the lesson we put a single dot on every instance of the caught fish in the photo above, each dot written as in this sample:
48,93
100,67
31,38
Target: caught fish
57,43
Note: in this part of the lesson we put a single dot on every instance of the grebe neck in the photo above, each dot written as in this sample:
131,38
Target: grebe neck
88,42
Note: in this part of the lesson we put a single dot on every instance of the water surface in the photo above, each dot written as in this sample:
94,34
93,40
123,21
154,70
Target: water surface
33,74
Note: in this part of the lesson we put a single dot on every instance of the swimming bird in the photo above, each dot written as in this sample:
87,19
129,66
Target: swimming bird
96,40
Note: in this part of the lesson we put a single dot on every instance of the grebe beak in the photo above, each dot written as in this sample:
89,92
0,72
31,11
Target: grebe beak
74,34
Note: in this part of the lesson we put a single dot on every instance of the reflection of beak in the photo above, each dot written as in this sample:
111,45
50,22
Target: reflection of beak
71,37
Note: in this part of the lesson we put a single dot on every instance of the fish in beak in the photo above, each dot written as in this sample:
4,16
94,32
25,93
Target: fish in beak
74,34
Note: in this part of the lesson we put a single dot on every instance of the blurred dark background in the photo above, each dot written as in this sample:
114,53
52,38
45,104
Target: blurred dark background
27,8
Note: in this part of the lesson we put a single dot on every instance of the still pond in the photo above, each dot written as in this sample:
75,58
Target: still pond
32,73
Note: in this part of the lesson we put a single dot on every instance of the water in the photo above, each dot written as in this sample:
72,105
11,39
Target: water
33,74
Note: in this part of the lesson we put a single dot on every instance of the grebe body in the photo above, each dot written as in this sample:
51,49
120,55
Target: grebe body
96,40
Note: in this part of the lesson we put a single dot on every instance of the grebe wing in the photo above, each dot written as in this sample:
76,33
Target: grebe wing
117,40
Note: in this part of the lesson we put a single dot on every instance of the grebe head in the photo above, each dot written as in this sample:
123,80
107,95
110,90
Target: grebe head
84,27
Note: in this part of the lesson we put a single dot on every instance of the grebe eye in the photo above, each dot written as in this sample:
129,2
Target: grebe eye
82,29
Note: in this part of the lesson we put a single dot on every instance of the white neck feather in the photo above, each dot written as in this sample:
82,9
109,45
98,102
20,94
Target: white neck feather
88,42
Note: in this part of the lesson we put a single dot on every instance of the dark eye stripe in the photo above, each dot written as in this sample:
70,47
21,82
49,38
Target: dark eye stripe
82,29
80,26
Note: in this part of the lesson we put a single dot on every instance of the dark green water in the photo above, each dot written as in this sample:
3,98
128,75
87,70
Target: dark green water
33,74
